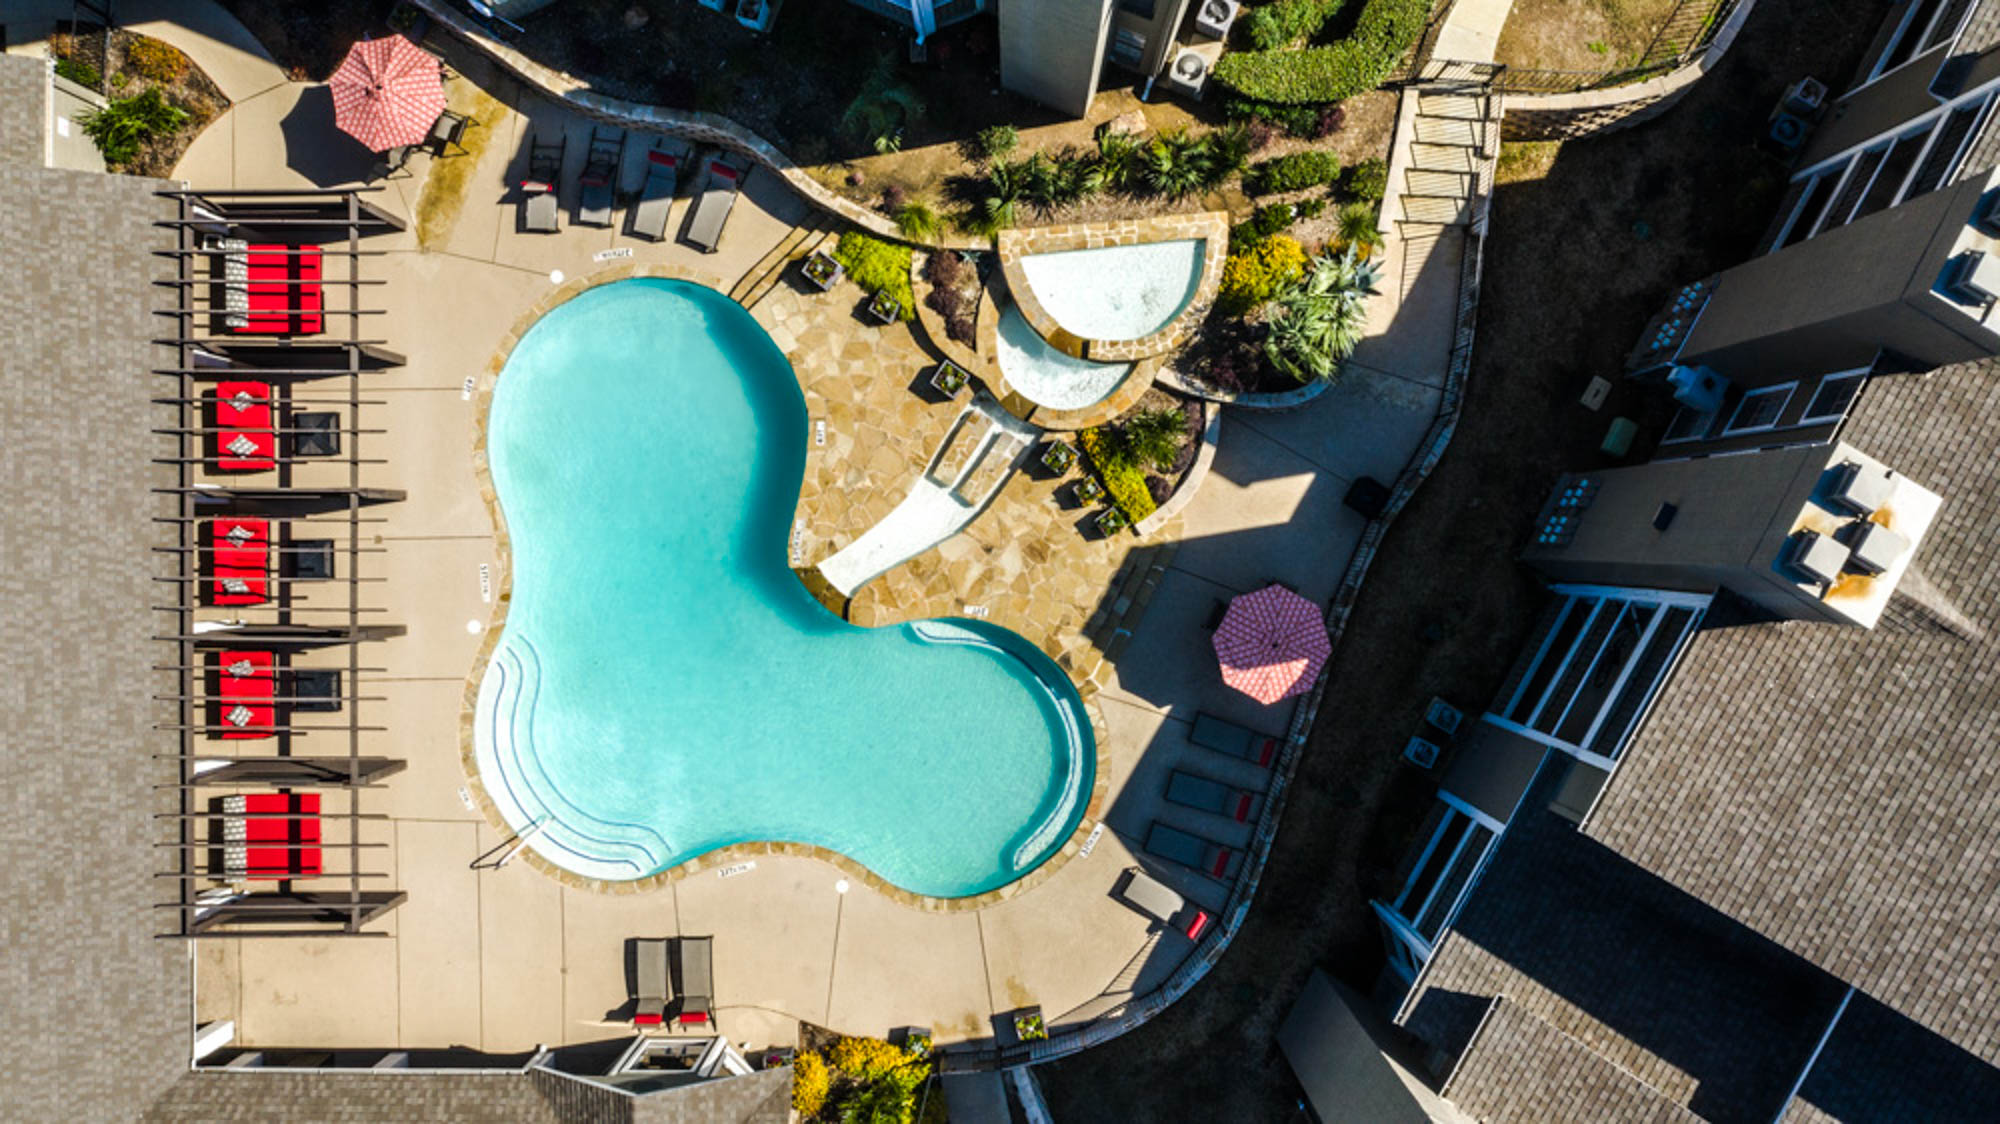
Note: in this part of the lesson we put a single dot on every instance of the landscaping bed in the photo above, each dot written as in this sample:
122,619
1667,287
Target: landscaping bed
1582,35
160,100
1569,283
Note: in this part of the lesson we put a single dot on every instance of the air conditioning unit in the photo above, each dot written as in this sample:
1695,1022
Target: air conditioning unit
1815,557
1214,17
1188,73
1876,548
1788,130
1698,388
1421,753
1859,490
1804,97
1973,278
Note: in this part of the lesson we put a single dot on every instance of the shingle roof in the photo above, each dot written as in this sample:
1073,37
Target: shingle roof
1879,1065
96,1008
1519,1068
1698,1008
1838,789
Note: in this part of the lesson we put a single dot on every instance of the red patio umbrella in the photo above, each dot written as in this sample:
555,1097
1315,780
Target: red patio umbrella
387,92
1272,643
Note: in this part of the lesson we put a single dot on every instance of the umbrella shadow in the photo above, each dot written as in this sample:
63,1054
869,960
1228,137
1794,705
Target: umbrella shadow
316,148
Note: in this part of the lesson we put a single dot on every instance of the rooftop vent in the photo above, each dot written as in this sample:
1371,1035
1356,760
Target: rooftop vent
1858,490
1698,388
1814,556
1214,17
1973,278
1876,548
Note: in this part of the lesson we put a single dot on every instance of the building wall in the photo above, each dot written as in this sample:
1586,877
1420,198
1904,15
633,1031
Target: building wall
1832,300
1052,50
1346,1064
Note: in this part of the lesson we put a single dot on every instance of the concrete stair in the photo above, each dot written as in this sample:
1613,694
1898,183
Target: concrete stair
1117,617
757,283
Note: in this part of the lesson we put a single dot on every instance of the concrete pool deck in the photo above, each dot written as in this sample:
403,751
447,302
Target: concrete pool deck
505,959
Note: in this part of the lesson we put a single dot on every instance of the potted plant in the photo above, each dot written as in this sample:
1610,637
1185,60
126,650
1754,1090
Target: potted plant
1057,457
884,307
822,270
1088,490
1110,521
1028,1025
949,378
917,1042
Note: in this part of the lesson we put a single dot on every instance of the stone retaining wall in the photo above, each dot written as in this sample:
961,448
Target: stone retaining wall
1540,117
702,128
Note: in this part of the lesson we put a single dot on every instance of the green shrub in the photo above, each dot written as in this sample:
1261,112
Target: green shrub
1259,273
1067,177
810,1085
1262,223
158,61
1369,180
918,221
1280,24
125,123
1123,480
865,1057
1306,209
1311,168
1154,437
995,142
79,72
1383,34
879,267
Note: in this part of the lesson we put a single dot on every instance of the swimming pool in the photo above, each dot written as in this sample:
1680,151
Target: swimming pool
665,687
1117,292
1046,376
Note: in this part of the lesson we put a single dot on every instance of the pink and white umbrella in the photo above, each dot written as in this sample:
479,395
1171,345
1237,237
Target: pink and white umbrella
1272,643
387,92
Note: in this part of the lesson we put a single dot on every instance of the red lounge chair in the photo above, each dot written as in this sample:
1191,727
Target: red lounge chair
287,826
245,440
240,561
284,289
246,693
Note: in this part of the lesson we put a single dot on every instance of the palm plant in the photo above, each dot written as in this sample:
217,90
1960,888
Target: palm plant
882,108
1117,160
1174,164
1359,229
1317,322
1226,150
1155,436
1005,186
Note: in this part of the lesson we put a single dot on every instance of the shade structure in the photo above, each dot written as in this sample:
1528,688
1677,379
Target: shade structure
387,92
1272,643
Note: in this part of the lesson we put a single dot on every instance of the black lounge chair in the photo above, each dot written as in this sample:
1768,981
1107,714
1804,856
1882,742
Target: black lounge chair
600,177
697,981
654,991
446,132
1191,790
1227,737
538,203
712,206
1202,856
656,196
391,162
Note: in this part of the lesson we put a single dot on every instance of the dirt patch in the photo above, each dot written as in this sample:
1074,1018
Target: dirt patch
157,66
1579,257
1583,35
444,187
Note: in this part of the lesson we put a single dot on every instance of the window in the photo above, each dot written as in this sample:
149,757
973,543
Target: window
1688,425
1435,878
1760,409
1602,656
1913,34
1832,397
1127,47
1882,173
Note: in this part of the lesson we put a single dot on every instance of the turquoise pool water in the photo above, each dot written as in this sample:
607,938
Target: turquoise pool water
1117,292
664,686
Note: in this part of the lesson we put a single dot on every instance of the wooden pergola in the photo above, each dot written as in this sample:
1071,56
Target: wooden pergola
311,485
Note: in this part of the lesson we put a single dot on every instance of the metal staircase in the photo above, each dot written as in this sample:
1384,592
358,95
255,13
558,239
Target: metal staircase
1456,136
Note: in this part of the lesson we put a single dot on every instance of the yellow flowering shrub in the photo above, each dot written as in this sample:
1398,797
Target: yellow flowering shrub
1259,273
810,1084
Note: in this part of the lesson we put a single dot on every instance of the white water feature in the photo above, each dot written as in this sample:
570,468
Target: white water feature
1117,292
1046,376
979,452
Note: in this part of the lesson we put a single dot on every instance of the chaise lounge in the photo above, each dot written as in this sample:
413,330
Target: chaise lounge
538,202
697,981
656,196
1227,737
1192,851
712,206
654,991
1203,794
600,177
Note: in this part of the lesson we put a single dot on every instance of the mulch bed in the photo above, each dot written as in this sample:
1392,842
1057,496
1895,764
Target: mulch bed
194,91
